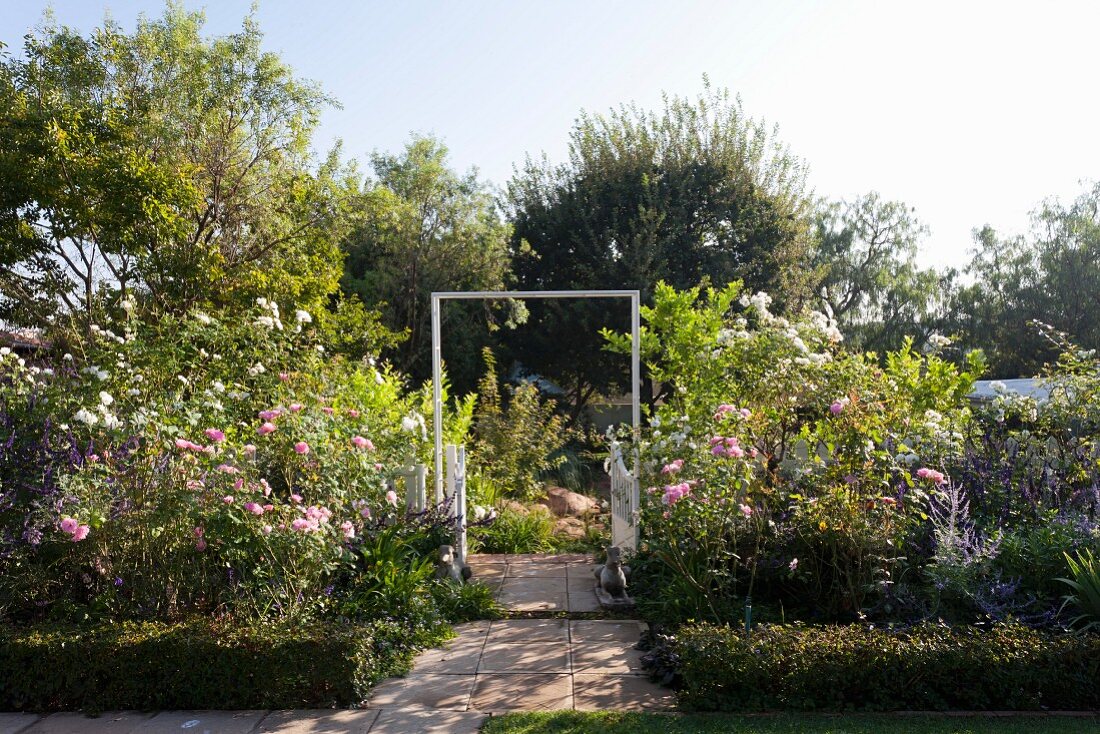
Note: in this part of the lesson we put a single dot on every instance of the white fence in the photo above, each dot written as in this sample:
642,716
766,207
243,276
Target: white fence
624,501
456,491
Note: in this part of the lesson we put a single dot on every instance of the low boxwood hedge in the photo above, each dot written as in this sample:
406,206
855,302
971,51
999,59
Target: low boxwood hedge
928,667
200,664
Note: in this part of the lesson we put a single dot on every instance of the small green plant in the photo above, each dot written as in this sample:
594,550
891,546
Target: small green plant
1086,586
518,441
464,602
515,532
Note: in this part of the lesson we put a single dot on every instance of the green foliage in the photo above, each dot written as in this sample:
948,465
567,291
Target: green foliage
694,191
161,163
518,440
866,271
928,667
516,532
772,449
465,602
203,664
1086,589
422,227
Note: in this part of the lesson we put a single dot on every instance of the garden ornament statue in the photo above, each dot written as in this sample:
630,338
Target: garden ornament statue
611,579
450,567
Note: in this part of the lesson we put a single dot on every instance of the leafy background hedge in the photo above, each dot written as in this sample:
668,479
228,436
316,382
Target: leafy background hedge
928,667
202,665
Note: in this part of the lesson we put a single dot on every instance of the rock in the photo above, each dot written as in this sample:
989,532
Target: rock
517,507
564,503
570,527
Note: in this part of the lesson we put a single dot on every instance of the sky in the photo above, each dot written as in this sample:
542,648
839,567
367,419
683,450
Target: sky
971,112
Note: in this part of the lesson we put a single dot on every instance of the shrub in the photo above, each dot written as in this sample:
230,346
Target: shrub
1086,589
202,664
928,667
516,532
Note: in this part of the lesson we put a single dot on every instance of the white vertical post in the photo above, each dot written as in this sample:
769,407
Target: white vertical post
421,488
451,454
456,486
409,475
437,397
636,408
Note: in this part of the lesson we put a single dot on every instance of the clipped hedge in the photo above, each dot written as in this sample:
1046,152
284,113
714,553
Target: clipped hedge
929,667
200,665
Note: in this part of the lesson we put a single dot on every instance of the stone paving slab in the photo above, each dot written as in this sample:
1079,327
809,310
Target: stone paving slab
500,692
307,721
16,723
525,657
424,690
608,658
605,630
530,630
428,722
201,722
593,692
109,722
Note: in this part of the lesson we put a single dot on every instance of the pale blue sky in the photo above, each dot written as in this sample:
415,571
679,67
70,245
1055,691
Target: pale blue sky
972,112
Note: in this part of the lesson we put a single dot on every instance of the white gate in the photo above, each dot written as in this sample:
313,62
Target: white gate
456,491
416,495
624,501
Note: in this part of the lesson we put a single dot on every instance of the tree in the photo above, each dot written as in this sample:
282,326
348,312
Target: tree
866,273
1053,277
164,164
423,227
695,191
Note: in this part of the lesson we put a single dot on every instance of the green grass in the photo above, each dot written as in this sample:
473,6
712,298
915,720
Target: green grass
575,722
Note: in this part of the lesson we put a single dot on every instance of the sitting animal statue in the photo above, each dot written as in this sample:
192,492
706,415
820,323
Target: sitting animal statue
448,566
612,575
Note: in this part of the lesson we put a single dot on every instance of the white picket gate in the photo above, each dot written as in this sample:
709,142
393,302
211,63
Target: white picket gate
624,501
456,491
416,489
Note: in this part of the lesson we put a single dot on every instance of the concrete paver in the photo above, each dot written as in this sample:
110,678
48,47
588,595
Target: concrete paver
424,690
201,722
307,721
109,722
16,723
605,630
592,692
428,722
530,630
522,692
524,657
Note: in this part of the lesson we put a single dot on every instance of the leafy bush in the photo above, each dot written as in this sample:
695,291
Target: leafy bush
1086,589
218,462
519,440
928,667
202,664
517,532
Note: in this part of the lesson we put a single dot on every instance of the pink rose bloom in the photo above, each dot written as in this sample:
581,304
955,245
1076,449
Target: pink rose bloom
327,411
237,485
69,525
716,439
735,451
200,545
266,530
249,449
284,376
391,497
270,415
365,513
228,499
673,467
348,529
266,428
254,508
295,407
208,450
183,444
198,532
214,435
195,484
723,409
746,413
266,486
745,510
300,524
269,508
836,407
81,533
362,443
296,497
227,469
378,467
301,447
352,413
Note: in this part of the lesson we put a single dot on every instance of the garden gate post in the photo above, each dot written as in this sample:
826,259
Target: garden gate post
456,490
624,501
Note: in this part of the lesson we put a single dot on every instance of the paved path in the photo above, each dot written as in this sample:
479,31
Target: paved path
558,661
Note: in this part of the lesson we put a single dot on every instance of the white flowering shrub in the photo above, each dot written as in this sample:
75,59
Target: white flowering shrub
215,462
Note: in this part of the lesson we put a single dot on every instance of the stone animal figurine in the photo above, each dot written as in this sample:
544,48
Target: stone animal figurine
611,576
449,567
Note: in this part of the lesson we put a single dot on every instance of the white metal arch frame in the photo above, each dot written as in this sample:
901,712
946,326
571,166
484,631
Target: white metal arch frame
437,356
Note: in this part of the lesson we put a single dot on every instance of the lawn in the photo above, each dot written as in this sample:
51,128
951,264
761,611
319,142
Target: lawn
575,722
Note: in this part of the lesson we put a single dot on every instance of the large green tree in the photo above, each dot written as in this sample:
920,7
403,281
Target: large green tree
1051,276
694,191
164,163
424,227
866,272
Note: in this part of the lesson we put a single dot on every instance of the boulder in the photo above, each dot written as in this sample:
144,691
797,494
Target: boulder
570,527
564,503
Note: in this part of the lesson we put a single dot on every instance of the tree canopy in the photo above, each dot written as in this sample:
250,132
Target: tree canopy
160,163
